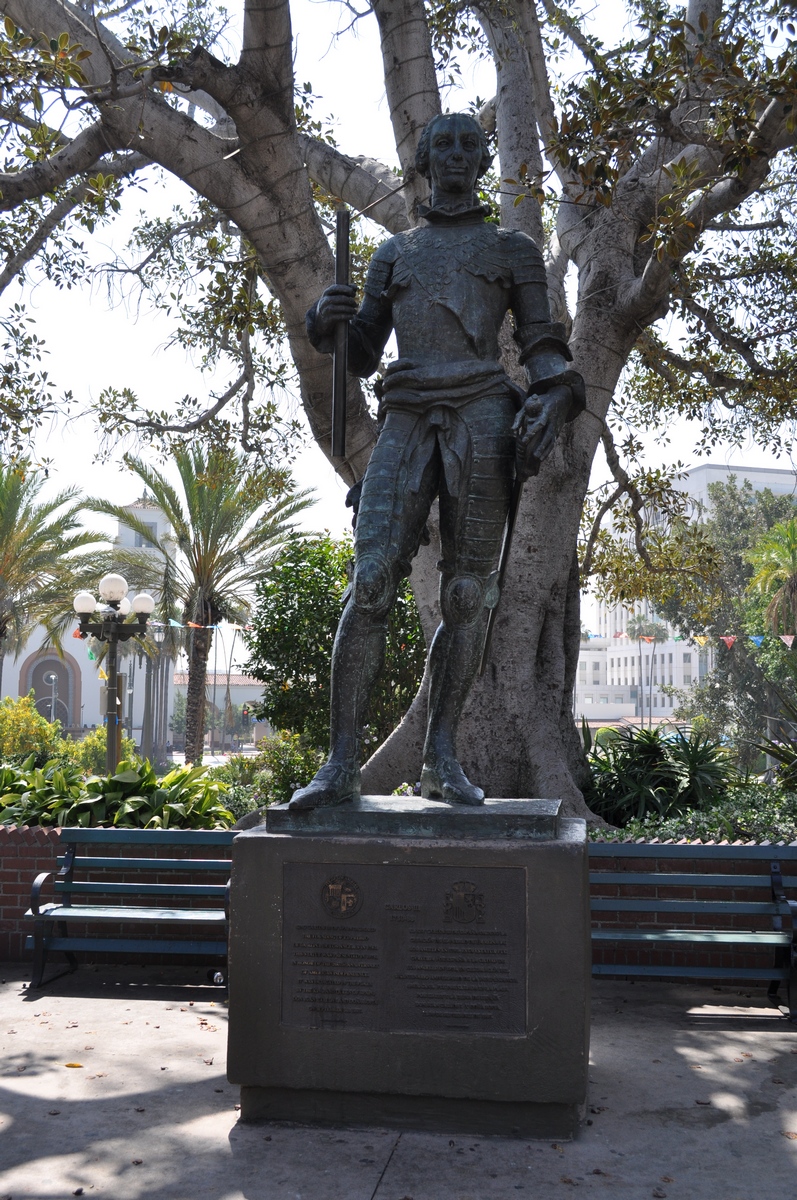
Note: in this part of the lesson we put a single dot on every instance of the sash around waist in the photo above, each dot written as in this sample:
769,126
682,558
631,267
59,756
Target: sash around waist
405,385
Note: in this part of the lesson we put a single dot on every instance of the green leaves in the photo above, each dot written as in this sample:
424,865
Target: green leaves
642,771
58,794
294,621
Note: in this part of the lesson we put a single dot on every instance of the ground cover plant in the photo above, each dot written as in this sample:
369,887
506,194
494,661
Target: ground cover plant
751,812
659,771
134,797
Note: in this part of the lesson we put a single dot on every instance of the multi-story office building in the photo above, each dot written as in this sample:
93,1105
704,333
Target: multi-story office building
621,679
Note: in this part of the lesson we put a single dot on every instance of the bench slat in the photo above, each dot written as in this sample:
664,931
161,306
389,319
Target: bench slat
738,937
624,904
149,837
671,879
143,889
768,973
119,912
133,945
95,862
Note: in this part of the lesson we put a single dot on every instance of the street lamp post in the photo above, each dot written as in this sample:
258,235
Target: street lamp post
110,627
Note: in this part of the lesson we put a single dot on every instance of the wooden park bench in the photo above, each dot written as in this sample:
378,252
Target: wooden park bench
96,865
707,912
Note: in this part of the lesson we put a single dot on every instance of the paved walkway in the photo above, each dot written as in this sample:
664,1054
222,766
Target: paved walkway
693,1096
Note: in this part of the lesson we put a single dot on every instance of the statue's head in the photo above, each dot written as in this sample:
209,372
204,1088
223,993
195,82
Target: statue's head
453,153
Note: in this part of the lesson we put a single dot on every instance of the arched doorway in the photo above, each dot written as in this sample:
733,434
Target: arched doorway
55,683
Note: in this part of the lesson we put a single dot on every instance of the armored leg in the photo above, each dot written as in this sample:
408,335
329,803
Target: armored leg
471,527
390,521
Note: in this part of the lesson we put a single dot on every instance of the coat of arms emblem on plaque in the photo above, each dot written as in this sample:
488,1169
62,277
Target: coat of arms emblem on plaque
341,896
464,903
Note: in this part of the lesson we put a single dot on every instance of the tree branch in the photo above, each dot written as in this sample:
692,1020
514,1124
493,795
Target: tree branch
361,182
725,338
627,486
75,158
189,426
726,194
410,82
60,211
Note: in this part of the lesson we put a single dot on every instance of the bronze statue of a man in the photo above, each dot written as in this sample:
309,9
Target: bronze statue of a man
453,426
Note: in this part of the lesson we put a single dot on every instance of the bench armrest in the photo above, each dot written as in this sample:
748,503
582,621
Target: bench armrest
36,890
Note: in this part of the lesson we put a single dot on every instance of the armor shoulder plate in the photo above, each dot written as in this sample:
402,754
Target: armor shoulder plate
528,265
380,269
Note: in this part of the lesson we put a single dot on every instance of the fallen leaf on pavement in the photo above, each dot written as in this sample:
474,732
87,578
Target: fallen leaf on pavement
667,1179
136,1161
141,1110
658,1193
788,1133
702,1102
54,1112
208,1062
73,1064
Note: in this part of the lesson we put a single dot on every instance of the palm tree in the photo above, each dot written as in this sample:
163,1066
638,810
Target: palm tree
229,520
41,557
644,630
775,560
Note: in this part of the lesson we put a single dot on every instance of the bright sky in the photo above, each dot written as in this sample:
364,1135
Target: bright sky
92,346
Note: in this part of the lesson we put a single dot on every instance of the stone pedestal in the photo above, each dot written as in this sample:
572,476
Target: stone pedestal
401,962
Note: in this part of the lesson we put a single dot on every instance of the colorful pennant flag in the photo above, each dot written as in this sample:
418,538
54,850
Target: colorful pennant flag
621,633
647,639
757,638
701,639
728,640
678,638
787,639
102,674
91,654
175,624
193,625
76,633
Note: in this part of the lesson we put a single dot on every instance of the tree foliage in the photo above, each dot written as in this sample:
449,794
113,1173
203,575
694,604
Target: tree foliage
228,518
736,698
294,621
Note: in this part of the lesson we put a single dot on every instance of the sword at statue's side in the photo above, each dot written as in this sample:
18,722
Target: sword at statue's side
526,465
340,353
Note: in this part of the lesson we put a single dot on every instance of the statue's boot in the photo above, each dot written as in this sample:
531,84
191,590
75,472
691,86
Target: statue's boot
448,782
357,658
453,661
335,783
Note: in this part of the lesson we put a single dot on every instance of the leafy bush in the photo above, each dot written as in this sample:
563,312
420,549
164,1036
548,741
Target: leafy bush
57,794
89,753
752,812
284,763
293,628
24,731
291,764
643,771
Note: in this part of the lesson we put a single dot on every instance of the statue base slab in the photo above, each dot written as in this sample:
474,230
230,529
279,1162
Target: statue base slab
388,967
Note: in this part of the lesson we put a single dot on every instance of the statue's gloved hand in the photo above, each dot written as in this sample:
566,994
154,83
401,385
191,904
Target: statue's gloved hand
537,426
338,303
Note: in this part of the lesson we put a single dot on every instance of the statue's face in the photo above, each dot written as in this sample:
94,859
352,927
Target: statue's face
455,154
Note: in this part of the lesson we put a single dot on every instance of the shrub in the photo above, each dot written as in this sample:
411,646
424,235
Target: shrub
24,731
291,763
750,812
134,797
643,771
89,753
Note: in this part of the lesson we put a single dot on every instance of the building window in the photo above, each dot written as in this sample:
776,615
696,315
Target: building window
687,680
687,656
618,699
588,699
603,699
655,702
141,541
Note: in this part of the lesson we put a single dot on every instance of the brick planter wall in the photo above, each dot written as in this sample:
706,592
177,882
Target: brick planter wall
24,852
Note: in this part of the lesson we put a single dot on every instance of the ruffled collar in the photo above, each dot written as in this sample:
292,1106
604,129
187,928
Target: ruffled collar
450,214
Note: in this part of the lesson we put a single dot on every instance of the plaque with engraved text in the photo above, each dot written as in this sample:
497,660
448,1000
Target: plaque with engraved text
413,949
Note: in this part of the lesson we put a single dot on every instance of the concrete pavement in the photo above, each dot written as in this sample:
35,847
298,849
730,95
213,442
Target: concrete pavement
693,1096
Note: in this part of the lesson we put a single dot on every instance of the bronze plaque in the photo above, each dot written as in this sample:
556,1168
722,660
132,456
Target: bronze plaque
406,949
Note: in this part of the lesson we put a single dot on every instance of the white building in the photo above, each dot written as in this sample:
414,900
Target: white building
617,684
68,686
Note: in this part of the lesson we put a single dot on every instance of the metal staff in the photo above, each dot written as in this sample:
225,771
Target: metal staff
340,353
526,465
